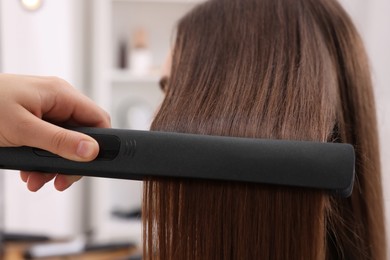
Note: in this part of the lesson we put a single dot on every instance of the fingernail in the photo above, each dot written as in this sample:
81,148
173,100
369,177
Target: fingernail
86,149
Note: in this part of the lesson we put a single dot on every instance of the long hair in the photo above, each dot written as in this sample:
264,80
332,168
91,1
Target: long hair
278,69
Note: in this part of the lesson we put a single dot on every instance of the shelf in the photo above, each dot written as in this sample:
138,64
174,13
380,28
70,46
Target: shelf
123,76
159,1
115,89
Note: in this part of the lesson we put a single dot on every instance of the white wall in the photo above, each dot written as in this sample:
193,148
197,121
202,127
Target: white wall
378,44
41,42
373,21
45,42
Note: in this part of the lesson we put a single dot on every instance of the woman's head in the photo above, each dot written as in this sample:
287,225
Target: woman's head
285,69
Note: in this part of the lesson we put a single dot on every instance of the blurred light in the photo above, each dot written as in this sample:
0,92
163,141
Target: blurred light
31,5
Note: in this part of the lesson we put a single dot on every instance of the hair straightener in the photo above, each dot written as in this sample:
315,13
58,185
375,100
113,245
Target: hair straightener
135,155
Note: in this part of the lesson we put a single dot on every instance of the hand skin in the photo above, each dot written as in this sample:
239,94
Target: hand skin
29,103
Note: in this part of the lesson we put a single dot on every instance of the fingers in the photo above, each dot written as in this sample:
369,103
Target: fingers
60,102
62,182
36,180
24,176
26,100
65,143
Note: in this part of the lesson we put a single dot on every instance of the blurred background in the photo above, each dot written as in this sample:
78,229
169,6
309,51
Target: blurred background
113,51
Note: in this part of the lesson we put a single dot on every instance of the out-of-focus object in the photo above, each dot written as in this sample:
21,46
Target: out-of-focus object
73,247
140,56
135,114
22,238
122,63
31,5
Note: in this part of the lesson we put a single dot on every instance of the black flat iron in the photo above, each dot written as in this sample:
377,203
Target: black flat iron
135,155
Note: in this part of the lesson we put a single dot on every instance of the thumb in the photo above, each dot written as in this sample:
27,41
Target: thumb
69,144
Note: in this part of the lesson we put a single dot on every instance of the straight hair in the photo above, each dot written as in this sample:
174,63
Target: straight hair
277,69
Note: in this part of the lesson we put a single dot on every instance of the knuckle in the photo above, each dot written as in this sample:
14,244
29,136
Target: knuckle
58,82
58,140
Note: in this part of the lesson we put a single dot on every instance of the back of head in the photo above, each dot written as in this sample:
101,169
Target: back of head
281,69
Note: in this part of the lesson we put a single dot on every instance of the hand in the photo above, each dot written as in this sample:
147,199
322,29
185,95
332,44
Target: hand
28,104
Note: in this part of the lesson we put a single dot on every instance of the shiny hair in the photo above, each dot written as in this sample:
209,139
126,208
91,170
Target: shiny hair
281,69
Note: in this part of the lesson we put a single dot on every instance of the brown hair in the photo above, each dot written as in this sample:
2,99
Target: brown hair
284,69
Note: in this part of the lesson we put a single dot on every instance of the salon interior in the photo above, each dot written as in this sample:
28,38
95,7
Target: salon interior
114,52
